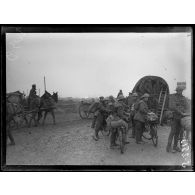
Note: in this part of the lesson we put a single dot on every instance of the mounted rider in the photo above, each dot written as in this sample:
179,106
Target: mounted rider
32,94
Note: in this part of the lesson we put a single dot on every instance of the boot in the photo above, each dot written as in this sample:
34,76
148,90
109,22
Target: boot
168,149
176,149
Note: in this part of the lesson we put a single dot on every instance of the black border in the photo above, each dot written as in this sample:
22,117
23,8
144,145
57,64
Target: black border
81,28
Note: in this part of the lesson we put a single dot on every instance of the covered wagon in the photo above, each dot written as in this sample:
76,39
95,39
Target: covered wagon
158,90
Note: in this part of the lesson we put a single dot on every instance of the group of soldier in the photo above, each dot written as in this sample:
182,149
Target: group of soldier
123,114
133,114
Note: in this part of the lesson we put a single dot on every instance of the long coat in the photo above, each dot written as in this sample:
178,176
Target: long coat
142,111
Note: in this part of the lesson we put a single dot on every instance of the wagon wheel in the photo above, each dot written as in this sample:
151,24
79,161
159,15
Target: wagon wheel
82,112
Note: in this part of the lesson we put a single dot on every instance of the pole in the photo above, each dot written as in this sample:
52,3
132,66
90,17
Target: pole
39,92
44,84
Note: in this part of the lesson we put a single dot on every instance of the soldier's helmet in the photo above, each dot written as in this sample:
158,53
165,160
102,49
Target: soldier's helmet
33,85
135,95
120,97
106,99
146,95
101,97
111,97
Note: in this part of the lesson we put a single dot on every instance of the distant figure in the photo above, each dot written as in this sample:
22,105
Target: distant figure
32,94
120,93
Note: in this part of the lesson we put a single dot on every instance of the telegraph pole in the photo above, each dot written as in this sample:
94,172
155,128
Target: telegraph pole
44,84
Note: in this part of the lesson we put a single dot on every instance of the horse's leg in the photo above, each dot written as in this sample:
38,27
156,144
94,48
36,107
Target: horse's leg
45,114
10,136
17,126
26,121
53,115
31,116
34,118
39,116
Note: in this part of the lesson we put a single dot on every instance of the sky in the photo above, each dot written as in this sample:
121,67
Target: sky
93,64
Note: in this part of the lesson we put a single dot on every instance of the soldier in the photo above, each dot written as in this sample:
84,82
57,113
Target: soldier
94,108
140,116
179,107
111,99
120,93
32,94
133,105
122,117
101,115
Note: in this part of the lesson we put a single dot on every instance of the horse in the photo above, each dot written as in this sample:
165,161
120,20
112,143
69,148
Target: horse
34,106
15,107
47,105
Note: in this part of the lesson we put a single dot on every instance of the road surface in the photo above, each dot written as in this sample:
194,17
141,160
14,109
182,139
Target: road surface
71,143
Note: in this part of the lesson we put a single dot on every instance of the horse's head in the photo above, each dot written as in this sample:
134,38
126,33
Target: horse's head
55,96
46,95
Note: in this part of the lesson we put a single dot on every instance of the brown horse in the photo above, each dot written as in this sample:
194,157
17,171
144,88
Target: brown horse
47,105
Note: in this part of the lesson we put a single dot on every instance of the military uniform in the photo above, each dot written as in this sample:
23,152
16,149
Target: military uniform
179,106
120,119
94,108
120,93
100,120
133,107
139,120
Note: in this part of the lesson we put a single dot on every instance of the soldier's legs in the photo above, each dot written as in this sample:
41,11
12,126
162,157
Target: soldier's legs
177,135
138,130
9,135
98,125
133,128
113,137
93,121
171,134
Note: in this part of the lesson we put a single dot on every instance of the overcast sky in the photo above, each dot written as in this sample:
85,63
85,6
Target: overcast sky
94,64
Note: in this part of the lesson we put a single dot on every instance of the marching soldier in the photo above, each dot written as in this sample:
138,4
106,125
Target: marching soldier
133,105
179,107
140,116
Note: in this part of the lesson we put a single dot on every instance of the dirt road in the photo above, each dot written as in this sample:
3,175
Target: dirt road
71,143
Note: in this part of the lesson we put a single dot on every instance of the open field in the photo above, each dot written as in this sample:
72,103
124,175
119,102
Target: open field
70,142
